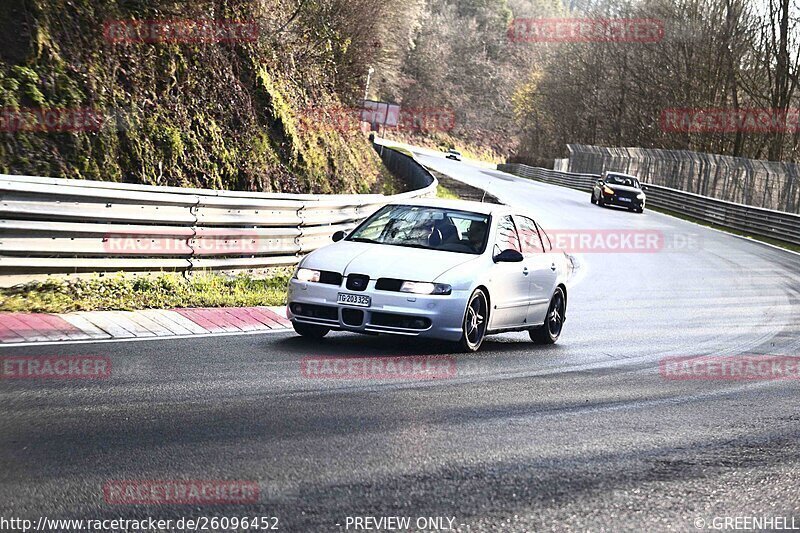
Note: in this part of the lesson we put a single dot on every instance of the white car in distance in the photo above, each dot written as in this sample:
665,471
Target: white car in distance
442,269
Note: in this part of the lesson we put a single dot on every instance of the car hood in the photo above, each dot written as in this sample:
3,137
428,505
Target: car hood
384,261
624,188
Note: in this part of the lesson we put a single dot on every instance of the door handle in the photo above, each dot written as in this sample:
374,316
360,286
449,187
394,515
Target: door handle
525,271
553,267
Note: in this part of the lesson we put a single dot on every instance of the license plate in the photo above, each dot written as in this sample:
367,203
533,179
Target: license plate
624,199
354,299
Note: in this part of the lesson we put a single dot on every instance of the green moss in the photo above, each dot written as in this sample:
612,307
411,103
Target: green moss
447,194
206,115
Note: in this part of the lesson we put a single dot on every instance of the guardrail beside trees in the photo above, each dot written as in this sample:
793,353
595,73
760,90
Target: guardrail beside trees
777,225
60,226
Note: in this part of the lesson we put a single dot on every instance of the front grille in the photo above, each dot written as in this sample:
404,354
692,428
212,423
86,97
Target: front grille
357,282
352,317
315,311
626,194
389,284
400,321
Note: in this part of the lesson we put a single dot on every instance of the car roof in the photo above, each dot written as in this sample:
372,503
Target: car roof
463,205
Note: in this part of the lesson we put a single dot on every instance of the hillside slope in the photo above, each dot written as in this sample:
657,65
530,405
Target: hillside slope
228,113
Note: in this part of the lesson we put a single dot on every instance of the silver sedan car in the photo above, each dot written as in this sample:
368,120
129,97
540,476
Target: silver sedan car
442,269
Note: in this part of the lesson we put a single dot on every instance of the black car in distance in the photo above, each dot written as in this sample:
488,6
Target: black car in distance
624,190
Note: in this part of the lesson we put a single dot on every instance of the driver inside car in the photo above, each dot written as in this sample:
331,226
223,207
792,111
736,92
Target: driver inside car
476,234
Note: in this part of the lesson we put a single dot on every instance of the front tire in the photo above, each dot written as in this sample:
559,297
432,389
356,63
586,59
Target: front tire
554,322
593,200
476,319
310,331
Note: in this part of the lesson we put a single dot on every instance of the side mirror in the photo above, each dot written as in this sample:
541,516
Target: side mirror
509,256
338,236
644,187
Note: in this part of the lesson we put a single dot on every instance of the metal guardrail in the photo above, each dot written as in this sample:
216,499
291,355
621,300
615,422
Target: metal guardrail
60,226
777,225
766,184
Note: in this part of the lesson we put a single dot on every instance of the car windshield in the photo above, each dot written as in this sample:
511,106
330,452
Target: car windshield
622,180
425,227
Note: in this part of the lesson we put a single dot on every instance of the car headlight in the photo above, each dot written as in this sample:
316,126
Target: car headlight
640,196
608,190
306,274
417,287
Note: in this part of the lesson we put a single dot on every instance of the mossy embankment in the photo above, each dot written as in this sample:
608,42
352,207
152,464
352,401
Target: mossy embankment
224,114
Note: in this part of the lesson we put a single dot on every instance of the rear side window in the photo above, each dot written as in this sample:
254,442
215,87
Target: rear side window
507,237
529,236
548,246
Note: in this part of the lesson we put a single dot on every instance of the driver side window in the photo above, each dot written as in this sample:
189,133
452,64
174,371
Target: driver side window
507,237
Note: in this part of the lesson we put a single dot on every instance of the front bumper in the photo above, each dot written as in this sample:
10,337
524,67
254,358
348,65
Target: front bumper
634,203
397,313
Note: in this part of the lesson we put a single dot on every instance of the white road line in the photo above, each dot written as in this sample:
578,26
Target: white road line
101,320
124,319
143,320
85,326
181,320
166,321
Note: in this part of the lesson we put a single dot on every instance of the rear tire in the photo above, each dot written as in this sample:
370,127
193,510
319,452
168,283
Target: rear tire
550,332
476,319
310,331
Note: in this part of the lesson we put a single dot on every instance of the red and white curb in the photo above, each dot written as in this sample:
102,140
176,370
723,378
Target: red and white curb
16,328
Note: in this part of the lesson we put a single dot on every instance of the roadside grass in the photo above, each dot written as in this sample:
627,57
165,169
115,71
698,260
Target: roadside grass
441,191
162,291
399,149
445,193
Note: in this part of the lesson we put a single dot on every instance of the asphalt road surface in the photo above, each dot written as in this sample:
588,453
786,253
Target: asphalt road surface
583,435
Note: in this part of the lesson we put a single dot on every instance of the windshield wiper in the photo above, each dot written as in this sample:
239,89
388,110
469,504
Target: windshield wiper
363,239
